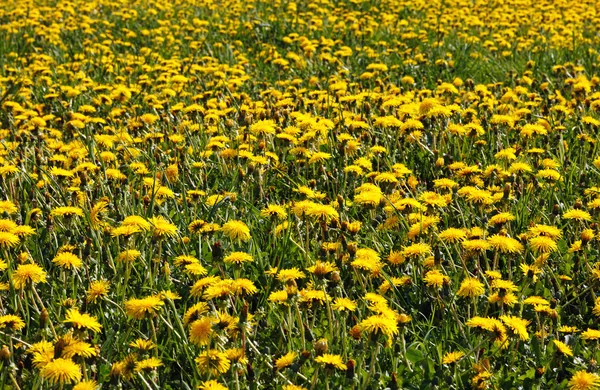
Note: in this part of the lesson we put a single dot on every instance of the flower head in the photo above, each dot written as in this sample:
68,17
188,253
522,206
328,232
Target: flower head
27,274
61,371
236,230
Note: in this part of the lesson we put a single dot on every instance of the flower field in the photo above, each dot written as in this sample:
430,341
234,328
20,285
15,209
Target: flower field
351,194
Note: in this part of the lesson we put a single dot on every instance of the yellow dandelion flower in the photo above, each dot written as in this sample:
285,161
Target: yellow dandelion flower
140,308
162,227
471,288
82,320
213,362
236,230
67,260
28,274
452,357
583,380
61,371
331,361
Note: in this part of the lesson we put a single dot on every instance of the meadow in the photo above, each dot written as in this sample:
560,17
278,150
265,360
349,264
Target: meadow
299,195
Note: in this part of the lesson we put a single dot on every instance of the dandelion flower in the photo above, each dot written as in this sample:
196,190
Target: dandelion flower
163,227
471,288
452,357
201,331
436,279
211,385
274,210
147,365
280,297
61,371
67,260
82,320
563,348
542,244
505,244
416,250
583,380
8,240
590,334
236,230
11,321
238,258
213,362
28,274
97,289
577,215
66,211
341,304
517,325
86,385
286,360
453,235
331,361
379,324
140,308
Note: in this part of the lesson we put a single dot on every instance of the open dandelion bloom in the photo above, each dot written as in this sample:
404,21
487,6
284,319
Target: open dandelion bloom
470,288
61,371
8,239
141,308
12,322
379,325
583,380
213,362
331,361
82,320
236,230
28,274
67,260
162,227
452,357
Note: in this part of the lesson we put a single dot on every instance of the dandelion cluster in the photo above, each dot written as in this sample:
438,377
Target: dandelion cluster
287,194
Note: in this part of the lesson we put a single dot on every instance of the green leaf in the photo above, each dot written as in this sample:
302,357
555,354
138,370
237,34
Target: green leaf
414,355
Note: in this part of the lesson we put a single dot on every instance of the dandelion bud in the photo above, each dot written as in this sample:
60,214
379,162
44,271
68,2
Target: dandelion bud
217,251
539,372
321,347
367,108
506,193
166,270
439,162
350,370
249,372
335,277
587,235
355,332
340,200
555,210
394,384
44,318
437,256
352,248
115,373
304,356
244,314
4,353
59,347
229,123
344,226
